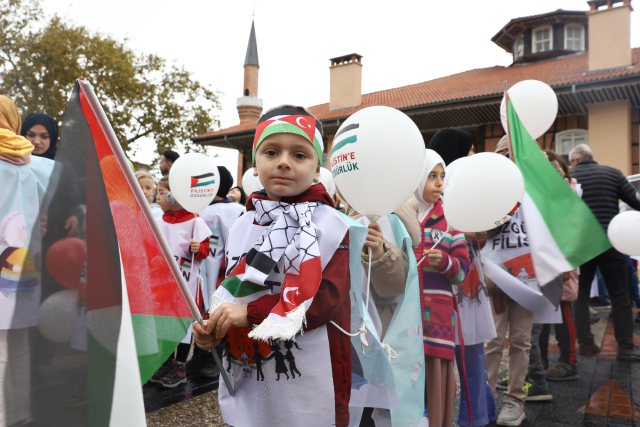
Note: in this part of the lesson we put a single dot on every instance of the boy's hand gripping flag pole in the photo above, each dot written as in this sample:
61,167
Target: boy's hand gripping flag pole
146,211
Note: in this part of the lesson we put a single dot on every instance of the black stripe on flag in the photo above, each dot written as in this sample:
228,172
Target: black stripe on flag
347,129
204,176
260,262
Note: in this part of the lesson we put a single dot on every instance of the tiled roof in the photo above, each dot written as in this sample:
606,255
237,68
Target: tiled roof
466,86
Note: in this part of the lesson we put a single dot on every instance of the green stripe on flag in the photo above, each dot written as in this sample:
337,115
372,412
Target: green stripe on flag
156,339
202,184
573,226
349,140
240,289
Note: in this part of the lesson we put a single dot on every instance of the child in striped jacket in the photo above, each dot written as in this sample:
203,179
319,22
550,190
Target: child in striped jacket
444,265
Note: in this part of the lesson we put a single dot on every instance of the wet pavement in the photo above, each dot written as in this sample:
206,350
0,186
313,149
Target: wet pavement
607,393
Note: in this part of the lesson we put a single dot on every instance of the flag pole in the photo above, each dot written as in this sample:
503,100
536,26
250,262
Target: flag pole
88,92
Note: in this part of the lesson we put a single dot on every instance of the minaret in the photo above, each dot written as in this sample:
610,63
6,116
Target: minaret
250,106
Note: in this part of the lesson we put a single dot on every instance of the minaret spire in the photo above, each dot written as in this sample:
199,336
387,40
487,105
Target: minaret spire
250,106
252,48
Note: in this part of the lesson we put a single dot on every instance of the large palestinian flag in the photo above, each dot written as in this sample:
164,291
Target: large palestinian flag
563,232
130,314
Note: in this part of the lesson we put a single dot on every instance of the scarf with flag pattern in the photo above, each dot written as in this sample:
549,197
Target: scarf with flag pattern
285,254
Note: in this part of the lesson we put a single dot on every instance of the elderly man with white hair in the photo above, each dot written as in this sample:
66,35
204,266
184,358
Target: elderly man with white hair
602,187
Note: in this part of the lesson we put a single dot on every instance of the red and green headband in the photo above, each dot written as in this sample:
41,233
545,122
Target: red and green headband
289,120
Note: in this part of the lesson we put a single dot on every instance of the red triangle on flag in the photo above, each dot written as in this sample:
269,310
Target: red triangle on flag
306,123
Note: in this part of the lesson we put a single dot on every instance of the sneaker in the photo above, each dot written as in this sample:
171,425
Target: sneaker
161,372
599,304
536,392
545,364
593,311
562,372
589,349
176,375
198,361
210,370
632,355
504,384
511,414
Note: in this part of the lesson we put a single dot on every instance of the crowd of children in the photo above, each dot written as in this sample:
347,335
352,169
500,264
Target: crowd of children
276,283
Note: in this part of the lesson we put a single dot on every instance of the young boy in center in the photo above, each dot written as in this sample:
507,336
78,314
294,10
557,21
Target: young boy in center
186,235
287,272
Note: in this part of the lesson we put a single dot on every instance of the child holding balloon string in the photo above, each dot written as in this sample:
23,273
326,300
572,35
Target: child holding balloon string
444,266
179,228
287,273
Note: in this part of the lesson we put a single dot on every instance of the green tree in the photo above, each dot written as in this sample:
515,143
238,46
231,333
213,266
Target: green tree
142,95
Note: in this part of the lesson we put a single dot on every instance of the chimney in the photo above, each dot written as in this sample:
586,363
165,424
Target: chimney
609,34
250,106
345,82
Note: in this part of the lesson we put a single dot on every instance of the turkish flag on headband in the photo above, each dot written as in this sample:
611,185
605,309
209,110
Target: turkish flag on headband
306,123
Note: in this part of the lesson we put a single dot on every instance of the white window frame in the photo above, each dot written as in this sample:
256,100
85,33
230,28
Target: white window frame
566,38
519,39
576,132
535,42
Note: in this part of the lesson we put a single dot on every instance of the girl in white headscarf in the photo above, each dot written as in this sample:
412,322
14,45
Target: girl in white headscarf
443,266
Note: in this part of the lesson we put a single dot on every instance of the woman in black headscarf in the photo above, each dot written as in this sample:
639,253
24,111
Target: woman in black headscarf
42,131
452,144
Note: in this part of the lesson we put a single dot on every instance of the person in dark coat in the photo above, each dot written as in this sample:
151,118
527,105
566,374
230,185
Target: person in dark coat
602,186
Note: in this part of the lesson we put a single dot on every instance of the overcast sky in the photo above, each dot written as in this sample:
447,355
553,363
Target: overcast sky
403,42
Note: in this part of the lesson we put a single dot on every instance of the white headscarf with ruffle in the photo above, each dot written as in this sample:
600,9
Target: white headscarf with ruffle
431,160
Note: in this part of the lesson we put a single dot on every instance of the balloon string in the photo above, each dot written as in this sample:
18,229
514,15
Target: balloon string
362,331
422,259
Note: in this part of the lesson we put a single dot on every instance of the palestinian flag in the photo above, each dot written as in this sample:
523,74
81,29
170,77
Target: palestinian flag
563,232
202,180
94,348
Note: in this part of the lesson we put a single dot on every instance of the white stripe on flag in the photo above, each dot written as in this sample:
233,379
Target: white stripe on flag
127,408
548,259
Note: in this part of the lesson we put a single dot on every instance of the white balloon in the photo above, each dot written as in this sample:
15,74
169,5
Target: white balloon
624,232
250,183
194,180
377,160
57,315
536,104
326,178
481,191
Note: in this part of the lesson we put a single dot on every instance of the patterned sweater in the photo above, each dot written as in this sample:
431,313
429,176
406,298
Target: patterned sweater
438,301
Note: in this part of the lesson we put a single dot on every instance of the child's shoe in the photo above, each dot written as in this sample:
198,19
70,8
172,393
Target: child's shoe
536,391
210,370
176,375
562,372
161,372
511,414
198,361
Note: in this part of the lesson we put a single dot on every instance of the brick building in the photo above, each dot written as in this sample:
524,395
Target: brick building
585,57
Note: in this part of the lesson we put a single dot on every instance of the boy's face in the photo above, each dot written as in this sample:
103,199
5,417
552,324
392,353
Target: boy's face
162,199
287,165
433,186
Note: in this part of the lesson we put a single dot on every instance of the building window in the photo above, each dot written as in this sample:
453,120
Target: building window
574,37
566,140
246,92
518,47
542,39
